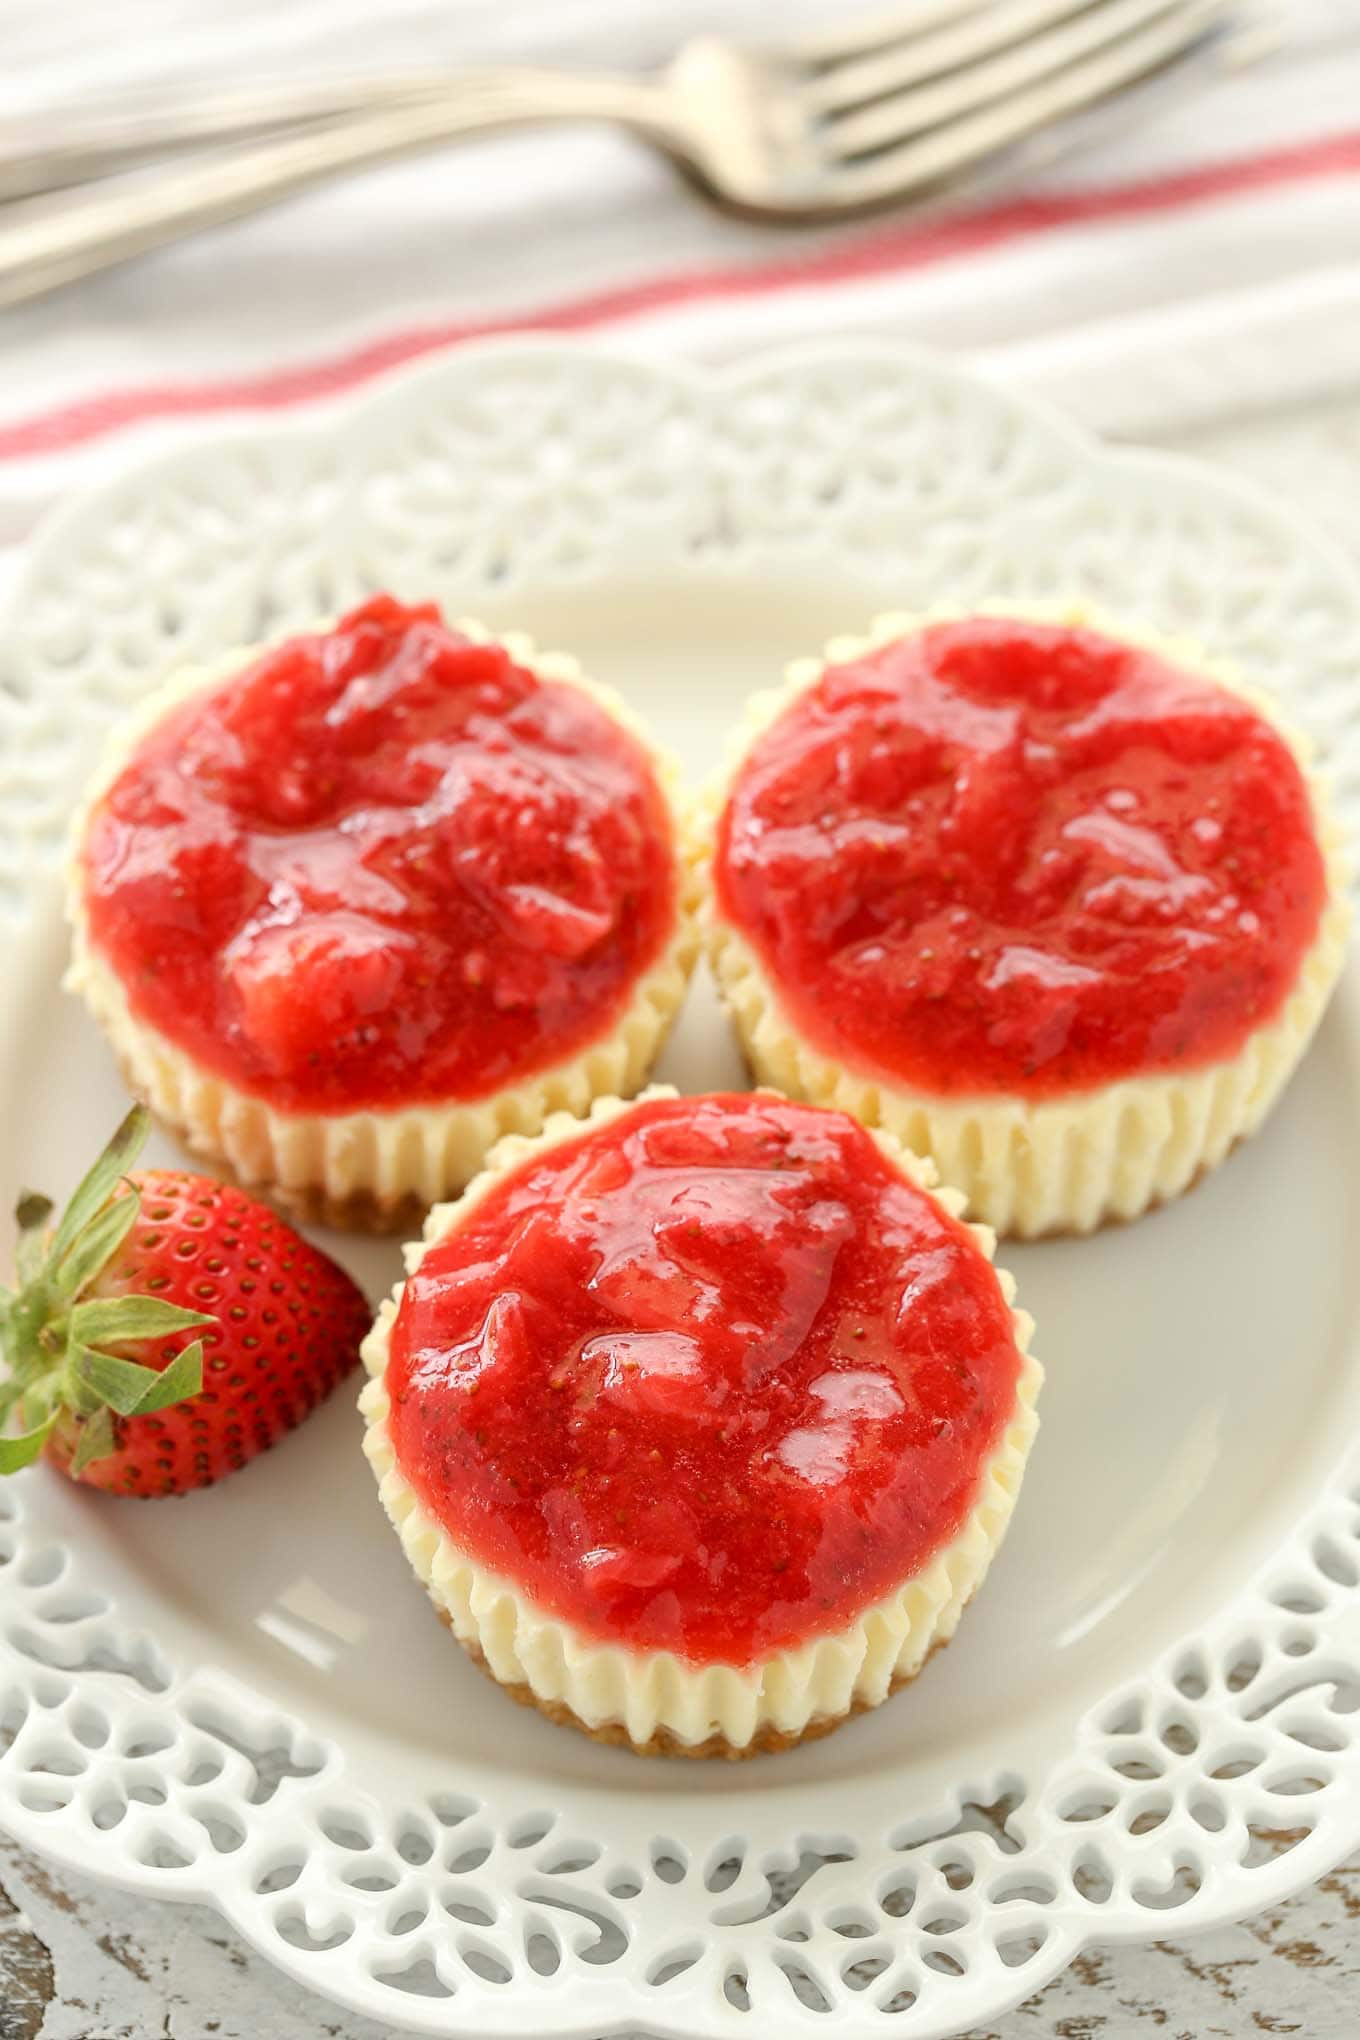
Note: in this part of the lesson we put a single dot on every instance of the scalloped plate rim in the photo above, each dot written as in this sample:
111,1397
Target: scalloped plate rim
364,410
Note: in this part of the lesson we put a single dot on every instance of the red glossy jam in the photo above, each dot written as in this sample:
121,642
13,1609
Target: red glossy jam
382,866
1005,856
711,1378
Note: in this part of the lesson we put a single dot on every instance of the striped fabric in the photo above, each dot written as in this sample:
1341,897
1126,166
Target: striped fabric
1202,258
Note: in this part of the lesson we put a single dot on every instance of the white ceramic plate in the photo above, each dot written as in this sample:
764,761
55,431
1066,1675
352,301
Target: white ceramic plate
1147,1722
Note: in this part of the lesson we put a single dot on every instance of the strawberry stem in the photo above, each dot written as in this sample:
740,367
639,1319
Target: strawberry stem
32,1212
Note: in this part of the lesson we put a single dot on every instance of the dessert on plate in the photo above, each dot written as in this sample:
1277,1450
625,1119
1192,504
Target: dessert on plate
1058,907
701,1421
353,906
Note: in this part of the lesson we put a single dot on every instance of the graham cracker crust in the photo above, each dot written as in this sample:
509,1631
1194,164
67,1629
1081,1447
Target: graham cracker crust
664,1743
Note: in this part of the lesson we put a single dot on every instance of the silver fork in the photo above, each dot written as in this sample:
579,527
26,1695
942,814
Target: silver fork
822,128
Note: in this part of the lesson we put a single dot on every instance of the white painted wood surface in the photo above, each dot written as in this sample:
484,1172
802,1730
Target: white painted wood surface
79,1961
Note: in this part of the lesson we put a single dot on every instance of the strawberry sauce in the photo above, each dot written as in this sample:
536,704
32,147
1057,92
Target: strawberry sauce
711,1378
999,856
381,866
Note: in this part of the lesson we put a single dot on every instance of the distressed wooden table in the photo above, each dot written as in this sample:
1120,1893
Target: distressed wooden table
79,1961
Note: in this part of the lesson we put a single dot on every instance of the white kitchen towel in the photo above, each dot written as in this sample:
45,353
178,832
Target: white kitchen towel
1202,256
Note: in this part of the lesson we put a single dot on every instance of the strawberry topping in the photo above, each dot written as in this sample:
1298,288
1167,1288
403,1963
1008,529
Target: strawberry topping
712,1377
1019,857
382,866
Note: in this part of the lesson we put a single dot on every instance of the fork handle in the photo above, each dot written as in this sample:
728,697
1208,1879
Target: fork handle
44,244
78,144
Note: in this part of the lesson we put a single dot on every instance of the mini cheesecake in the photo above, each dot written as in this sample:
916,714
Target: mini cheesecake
1059,908
352,907
701,1422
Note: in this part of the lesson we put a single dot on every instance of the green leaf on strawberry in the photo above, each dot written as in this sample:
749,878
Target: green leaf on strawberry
105,1321
130,1389
96,1441
23,1450
95,1189
93,1247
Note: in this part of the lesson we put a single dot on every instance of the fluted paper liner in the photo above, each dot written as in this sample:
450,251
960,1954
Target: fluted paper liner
650,1693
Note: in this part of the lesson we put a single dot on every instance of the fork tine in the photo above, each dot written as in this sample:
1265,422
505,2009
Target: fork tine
930,159
863,74
875,31
946,99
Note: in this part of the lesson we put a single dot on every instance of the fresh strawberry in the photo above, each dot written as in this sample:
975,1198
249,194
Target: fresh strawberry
103,1376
